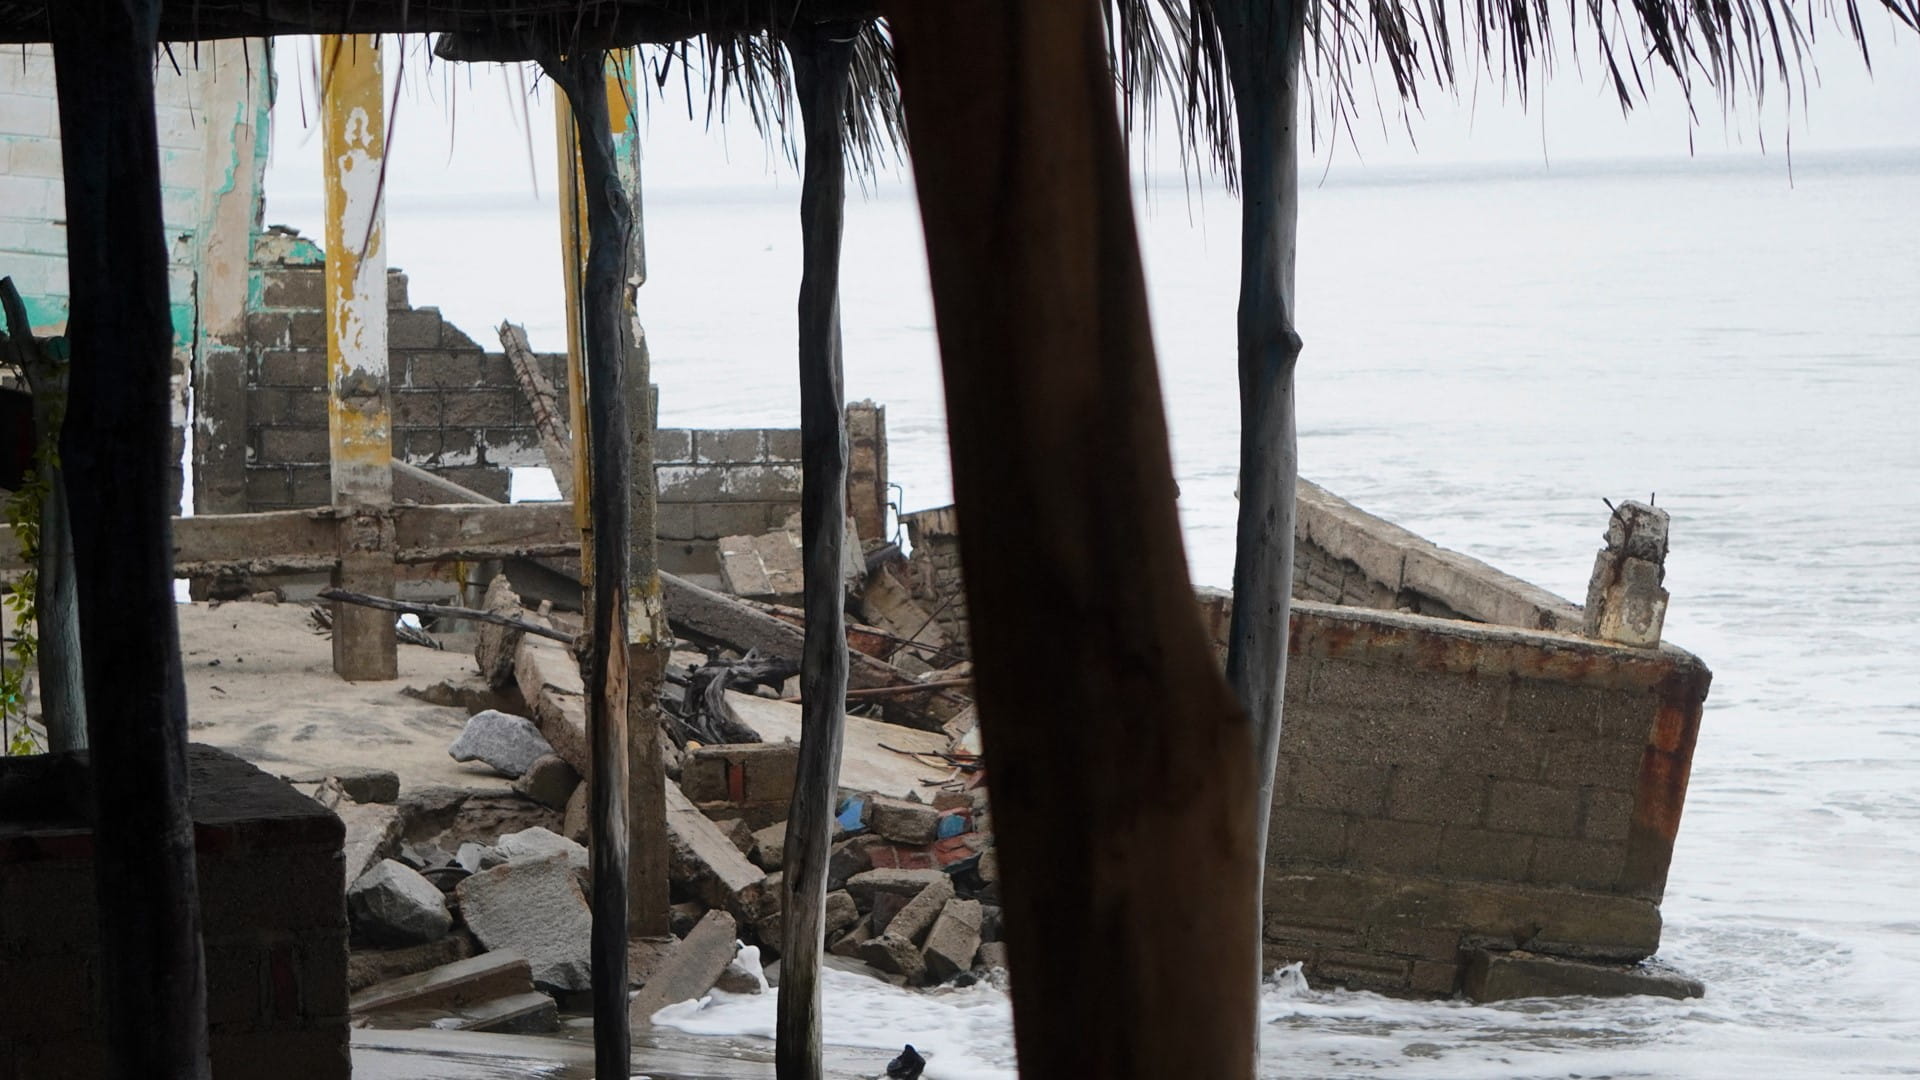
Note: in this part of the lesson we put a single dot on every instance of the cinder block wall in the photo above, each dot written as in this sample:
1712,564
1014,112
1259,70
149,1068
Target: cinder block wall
730,482
1445,785
274,920
934,571
457,409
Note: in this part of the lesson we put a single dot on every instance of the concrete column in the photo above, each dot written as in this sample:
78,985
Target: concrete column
867,469
1625,603
359,417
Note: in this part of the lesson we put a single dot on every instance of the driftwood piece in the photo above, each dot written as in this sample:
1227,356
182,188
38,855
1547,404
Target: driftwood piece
150,976
446,611
1122,969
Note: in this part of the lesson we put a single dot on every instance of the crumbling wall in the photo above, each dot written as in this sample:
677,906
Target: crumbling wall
1446,786
934,571
457,410
273,919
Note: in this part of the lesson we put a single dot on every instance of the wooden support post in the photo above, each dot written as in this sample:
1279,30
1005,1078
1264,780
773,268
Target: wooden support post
151,976
359,416
822,57
604,666
1122,767
1262,40
649,641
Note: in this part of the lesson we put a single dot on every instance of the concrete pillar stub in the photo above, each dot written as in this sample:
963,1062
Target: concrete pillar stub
1625,601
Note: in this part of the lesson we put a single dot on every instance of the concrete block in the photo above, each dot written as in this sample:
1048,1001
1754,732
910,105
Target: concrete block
902,820
535,908
783,444
1606,815
372,834
1597,763
762,483
849,857
702,861
413,328
992,954
769,846
441,370
1583,864
1436,796
841,913
864,886
370,967
690,970
1505,976
848,944
954,939
895,955
672,446
918,914
293,367
1337,783
539,843
1480,853
691,483
1395,845
295,287
480,408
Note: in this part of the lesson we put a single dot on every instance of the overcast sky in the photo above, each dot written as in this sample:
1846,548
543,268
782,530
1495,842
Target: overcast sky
459,128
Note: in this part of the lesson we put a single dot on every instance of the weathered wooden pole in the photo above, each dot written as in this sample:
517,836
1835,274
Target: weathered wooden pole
582,75
573,262
114,446
649,641
1122,767
822,58
359,413
1262,42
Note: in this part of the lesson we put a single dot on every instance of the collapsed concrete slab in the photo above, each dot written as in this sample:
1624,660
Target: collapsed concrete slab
690,970
1504,976
704,862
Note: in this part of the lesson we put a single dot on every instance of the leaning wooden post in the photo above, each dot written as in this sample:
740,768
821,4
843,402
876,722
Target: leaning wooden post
822,57
359,415
1262,41
649,641
1122,767
114,445
604,664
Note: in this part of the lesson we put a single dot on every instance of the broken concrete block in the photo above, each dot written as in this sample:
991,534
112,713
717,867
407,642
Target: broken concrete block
920,913
902,821
508,743
373,833
690,970
701,860
848,944
448,986
954,939
531,1013
577,823
535,908
1503,976
770,846
885,907
549,781
361,784
895,955
850,857
737,831
1625,603
370,967
474,857
842,912
864,886
392,904
538,843
992,954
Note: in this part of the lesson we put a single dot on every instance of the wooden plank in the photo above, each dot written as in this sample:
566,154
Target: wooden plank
149,978
1123,767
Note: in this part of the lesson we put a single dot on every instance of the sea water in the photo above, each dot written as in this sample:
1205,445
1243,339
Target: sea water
1490,351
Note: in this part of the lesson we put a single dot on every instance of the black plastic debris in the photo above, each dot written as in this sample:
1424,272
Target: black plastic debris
908,1066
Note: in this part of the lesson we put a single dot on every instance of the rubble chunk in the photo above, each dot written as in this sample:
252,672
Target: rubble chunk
848,944
690,969
895,955
539,843
770,846
509,744
534,907
497,644
902,821
920,913
703,861
391,904
737,831
865,885
954,939
1503,976
742,974
448,986
577,823
681,918
373,833
549,781
474,857
992,954
370,967
842,912
850,857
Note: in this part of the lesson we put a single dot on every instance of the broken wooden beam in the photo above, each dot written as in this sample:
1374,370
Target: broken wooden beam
446,611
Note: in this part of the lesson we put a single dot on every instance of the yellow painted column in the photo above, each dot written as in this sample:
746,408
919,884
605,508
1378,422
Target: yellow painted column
359,413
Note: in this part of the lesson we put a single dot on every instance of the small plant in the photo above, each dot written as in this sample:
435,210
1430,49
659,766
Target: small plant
23,510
